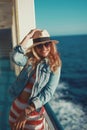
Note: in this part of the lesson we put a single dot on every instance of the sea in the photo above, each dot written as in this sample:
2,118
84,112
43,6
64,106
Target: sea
70,99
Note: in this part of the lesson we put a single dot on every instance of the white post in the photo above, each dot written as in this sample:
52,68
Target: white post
26,17
23,21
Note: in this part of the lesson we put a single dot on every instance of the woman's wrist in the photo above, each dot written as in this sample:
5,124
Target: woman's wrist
29,109
27,112
24,42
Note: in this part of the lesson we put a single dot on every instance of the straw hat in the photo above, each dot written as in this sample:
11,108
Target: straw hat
40,37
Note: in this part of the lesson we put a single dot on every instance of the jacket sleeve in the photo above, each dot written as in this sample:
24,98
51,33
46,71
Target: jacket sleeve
18,56
47,92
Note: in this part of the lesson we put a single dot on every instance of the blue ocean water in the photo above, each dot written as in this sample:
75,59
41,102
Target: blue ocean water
70,99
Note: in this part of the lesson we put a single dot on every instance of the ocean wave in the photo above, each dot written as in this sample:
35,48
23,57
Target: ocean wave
70,112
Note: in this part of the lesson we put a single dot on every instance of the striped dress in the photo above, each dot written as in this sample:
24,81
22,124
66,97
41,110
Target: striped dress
36,120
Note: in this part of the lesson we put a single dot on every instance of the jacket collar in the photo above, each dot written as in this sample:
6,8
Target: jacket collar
44,66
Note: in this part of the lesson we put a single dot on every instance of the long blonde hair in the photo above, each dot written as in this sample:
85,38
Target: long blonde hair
54,60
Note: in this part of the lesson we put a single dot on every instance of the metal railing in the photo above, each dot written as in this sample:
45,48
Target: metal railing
52,120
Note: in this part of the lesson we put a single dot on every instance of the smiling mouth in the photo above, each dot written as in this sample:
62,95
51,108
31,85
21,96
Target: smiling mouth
44,52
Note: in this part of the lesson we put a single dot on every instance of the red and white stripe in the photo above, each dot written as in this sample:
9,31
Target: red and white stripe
36,120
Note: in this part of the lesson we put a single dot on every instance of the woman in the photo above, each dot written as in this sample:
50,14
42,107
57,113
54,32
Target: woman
36,82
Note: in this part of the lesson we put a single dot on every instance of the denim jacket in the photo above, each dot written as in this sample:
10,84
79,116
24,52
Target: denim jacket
45,83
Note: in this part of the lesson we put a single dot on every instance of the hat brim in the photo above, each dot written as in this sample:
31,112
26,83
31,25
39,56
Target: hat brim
54,41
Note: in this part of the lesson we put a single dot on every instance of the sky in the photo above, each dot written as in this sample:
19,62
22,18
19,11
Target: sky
62,17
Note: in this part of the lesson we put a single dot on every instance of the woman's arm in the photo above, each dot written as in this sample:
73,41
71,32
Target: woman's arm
47,92
18,54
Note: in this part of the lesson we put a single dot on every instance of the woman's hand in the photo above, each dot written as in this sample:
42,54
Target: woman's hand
28,36
31,33
21,120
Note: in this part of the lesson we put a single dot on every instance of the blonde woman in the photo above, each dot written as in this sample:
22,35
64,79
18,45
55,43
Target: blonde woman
37,81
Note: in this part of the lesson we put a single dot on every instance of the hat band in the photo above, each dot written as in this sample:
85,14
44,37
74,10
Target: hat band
42,39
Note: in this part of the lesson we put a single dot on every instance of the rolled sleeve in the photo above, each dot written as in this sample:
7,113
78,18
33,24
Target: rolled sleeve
18,56
47,92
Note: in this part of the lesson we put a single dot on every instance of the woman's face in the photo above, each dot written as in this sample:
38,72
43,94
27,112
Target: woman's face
43,50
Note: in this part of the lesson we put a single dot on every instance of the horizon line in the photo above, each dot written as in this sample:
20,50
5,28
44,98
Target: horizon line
53,35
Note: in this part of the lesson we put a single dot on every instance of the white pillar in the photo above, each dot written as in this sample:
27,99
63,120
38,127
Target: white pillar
23,20
26,17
